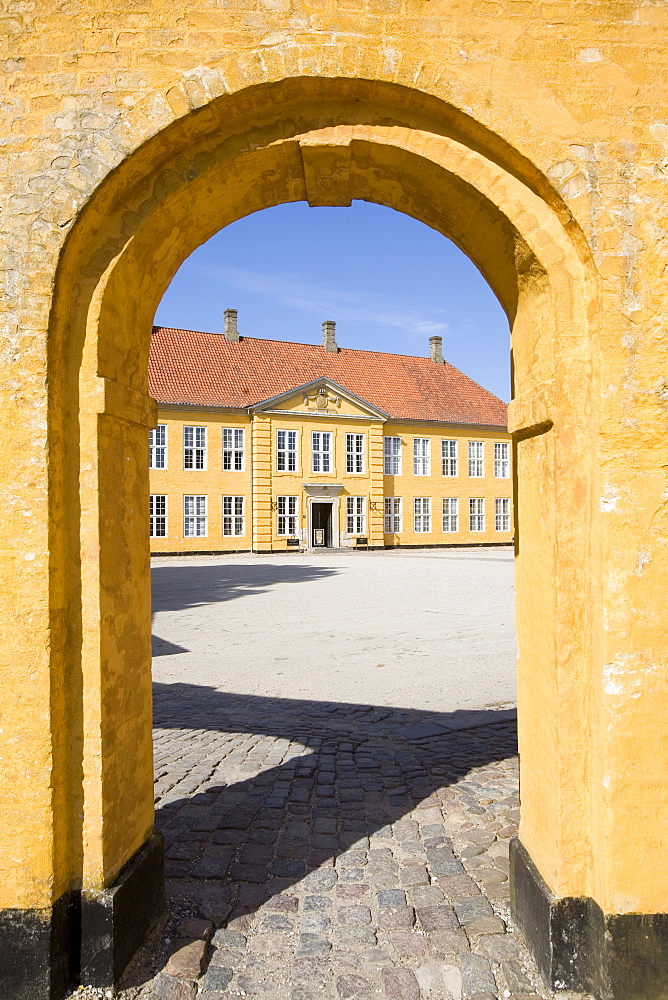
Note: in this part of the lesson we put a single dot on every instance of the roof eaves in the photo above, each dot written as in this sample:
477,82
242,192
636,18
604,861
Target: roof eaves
200,406
449,422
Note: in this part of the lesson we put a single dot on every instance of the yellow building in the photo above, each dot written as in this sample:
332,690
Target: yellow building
263,445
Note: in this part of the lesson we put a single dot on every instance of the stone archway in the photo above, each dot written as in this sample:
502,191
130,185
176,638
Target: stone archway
325,141
295,148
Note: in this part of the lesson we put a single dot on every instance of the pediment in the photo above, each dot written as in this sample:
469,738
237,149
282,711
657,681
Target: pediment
321,397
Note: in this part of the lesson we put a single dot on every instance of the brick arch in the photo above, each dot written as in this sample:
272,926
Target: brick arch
327,145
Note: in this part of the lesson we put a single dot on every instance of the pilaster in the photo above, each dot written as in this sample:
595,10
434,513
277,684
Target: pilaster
261,482
376,512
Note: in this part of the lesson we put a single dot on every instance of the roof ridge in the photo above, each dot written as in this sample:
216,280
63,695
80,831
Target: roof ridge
351,350
190,366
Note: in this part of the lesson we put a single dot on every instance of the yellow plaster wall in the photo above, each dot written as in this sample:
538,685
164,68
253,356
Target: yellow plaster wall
532,133
436,486
339,422
344,417
176,482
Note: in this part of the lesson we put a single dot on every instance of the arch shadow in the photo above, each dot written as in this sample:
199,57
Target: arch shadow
233,847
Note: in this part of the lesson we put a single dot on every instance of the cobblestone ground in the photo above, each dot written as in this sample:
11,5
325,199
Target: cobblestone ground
321,851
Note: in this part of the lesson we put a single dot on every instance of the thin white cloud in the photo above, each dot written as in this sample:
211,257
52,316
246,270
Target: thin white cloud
286,289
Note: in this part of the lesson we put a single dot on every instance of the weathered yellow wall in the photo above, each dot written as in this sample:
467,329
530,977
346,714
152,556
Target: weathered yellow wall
532,133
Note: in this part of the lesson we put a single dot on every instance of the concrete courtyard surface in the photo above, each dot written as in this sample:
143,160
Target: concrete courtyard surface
418,628
320,844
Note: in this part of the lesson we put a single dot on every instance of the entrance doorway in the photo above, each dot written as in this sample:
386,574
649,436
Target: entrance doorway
321,525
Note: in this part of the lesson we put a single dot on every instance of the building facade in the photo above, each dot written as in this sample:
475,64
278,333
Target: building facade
373,450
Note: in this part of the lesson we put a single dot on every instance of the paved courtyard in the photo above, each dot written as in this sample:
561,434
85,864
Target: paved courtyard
322,845
429,628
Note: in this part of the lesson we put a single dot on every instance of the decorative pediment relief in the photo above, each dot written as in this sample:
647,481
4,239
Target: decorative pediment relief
321,397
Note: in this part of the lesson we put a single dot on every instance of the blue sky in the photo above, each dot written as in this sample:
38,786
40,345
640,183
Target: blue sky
389,282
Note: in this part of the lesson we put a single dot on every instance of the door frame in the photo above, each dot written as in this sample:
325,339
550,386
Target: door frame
330,504
324,494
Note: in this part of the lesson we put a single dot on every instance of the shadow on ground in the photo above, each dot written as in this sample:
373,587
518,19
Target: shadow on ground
257,794
176,588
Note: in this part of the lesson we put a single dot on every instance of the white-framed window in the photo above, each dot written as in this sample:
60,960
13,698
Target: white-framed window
233,449
422,515
355,453
392,456
322,451
449,458
234,521
476,453
194,447
450,514
421,457
286,451
194,517
157,515
356,515
392,515
476,514
287,515
157,447
502,514
501,460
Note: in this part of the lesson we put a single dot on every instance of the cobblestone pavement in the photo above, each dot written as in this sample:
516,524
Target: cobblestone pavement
321,851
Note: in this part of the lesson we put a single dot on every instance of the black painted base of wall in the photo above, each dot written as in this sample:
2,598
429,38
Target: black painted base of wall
578,947
84,937
116,921
39,950
207,552
341,548
452,545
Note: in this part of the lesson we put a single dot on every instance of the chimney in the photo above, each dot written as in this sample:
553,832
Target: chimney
436,350
231,332
329,336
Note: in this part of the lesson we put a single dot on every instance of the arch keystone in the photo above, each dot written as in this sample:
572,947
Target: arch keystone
327,165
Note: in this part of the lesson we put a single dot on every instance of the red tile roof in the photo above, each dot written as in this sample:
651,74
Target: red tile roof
204,369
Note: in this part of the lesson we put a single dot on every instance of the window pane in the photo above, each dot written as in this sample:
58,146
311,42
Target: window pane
286,521
356,515
157,447
476,459
194,447
476,514
157,516
392,512
502,514
392,456
233,519
501,459
449,458
421,456
450,514
422,515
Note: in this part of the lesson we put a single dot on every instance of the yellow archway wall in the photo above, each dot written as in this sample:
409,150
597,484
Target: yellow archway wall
406,169
549,177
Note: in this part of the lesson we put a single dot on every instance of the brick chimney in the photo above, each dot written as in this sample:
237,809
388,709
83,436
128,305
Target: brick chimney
329,336
436,350
231,332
